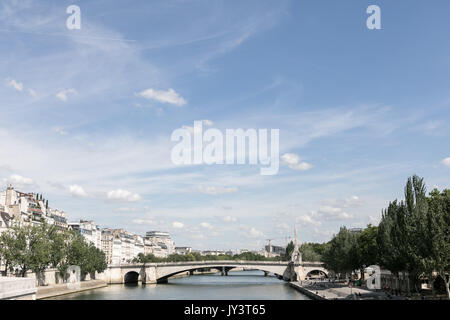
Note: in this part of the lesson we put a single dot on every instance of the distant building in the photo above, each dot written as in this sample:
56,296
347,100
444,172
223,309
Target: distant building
60,219
22,209
161,243
25,208
275,250
183,250
89,230
213,253
107,244
121,246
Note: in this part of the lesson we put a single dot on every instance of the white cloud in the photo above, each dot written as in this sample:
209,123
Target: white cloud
255,233
283,228
206,225
217,190
123,195
323,233
446,162
293,161
77,191
169,96
177,225
32,93
17,179
353,201
125,210
144,221
229,219
15,84
308,219
60,130
328,212
63,95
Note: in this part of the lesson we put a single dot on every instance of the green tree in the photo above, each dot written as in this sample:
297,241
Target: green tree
367,247
20,249
311,251
7,243
39,248
341,255
413,235
289,251
437,257
60,245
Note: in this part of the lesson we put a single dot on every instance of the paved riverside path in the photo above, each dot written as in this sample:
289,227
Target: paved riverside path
61,289
336,291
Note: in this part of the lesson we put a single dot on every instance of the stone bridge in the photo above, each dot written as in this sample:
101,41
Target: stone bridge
160,272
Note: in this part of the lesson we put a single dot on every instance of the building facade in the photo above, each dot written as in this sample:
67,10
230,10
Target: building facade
160,243
89,230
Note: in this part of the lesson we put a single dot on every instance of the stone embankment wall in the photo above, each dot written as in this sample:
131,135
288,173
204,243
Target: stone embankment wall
52,277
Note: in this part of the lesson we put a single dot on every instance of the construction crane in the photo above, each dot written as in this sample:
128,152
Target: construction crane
270,242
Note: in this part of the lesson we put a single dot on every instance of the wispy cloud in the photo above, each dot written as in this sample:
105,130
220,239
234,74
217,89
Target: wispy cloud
292,160
15,84
19,180
212,190
177,225
63,95
123,195
78,191
446,162
169,96
60,131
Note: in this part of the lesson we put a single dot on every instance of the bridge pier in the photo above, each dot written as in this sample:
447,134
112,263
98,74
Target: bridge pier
150,275
224,271
266,273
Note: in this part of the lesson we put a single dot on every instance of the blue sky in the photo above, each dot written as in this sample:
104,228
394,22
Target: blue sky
364,108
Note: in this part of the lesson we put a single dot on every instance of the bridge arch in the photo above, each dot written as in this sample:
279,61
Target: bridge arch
134,275
131,277
316,273
164,275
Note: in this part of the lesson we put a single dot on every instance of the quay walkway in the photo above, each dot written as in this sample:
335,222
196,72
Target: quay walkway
324,290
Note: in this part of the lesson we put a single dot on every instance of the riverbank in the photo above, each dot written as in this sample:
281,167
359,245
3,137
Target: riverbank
62,289
318,290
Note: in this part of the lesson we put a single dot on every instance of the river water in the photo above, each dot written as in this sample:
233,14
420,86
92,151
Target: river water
239,285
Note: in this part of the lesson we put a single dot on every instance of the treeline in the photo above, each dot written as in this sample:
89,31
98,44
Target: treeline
195,256
413,237
310,251
43,246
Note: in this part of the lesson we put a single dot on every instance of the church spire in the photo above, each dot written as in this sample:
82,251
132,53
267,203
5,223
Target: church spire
296,255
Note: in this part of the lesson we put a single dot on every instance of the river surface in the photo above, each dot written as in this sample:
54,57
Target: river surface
239,285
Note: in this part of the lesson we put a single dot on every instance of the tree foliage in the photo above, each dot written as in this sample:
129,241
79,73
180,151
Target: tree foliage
412,238
40,246
341,254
